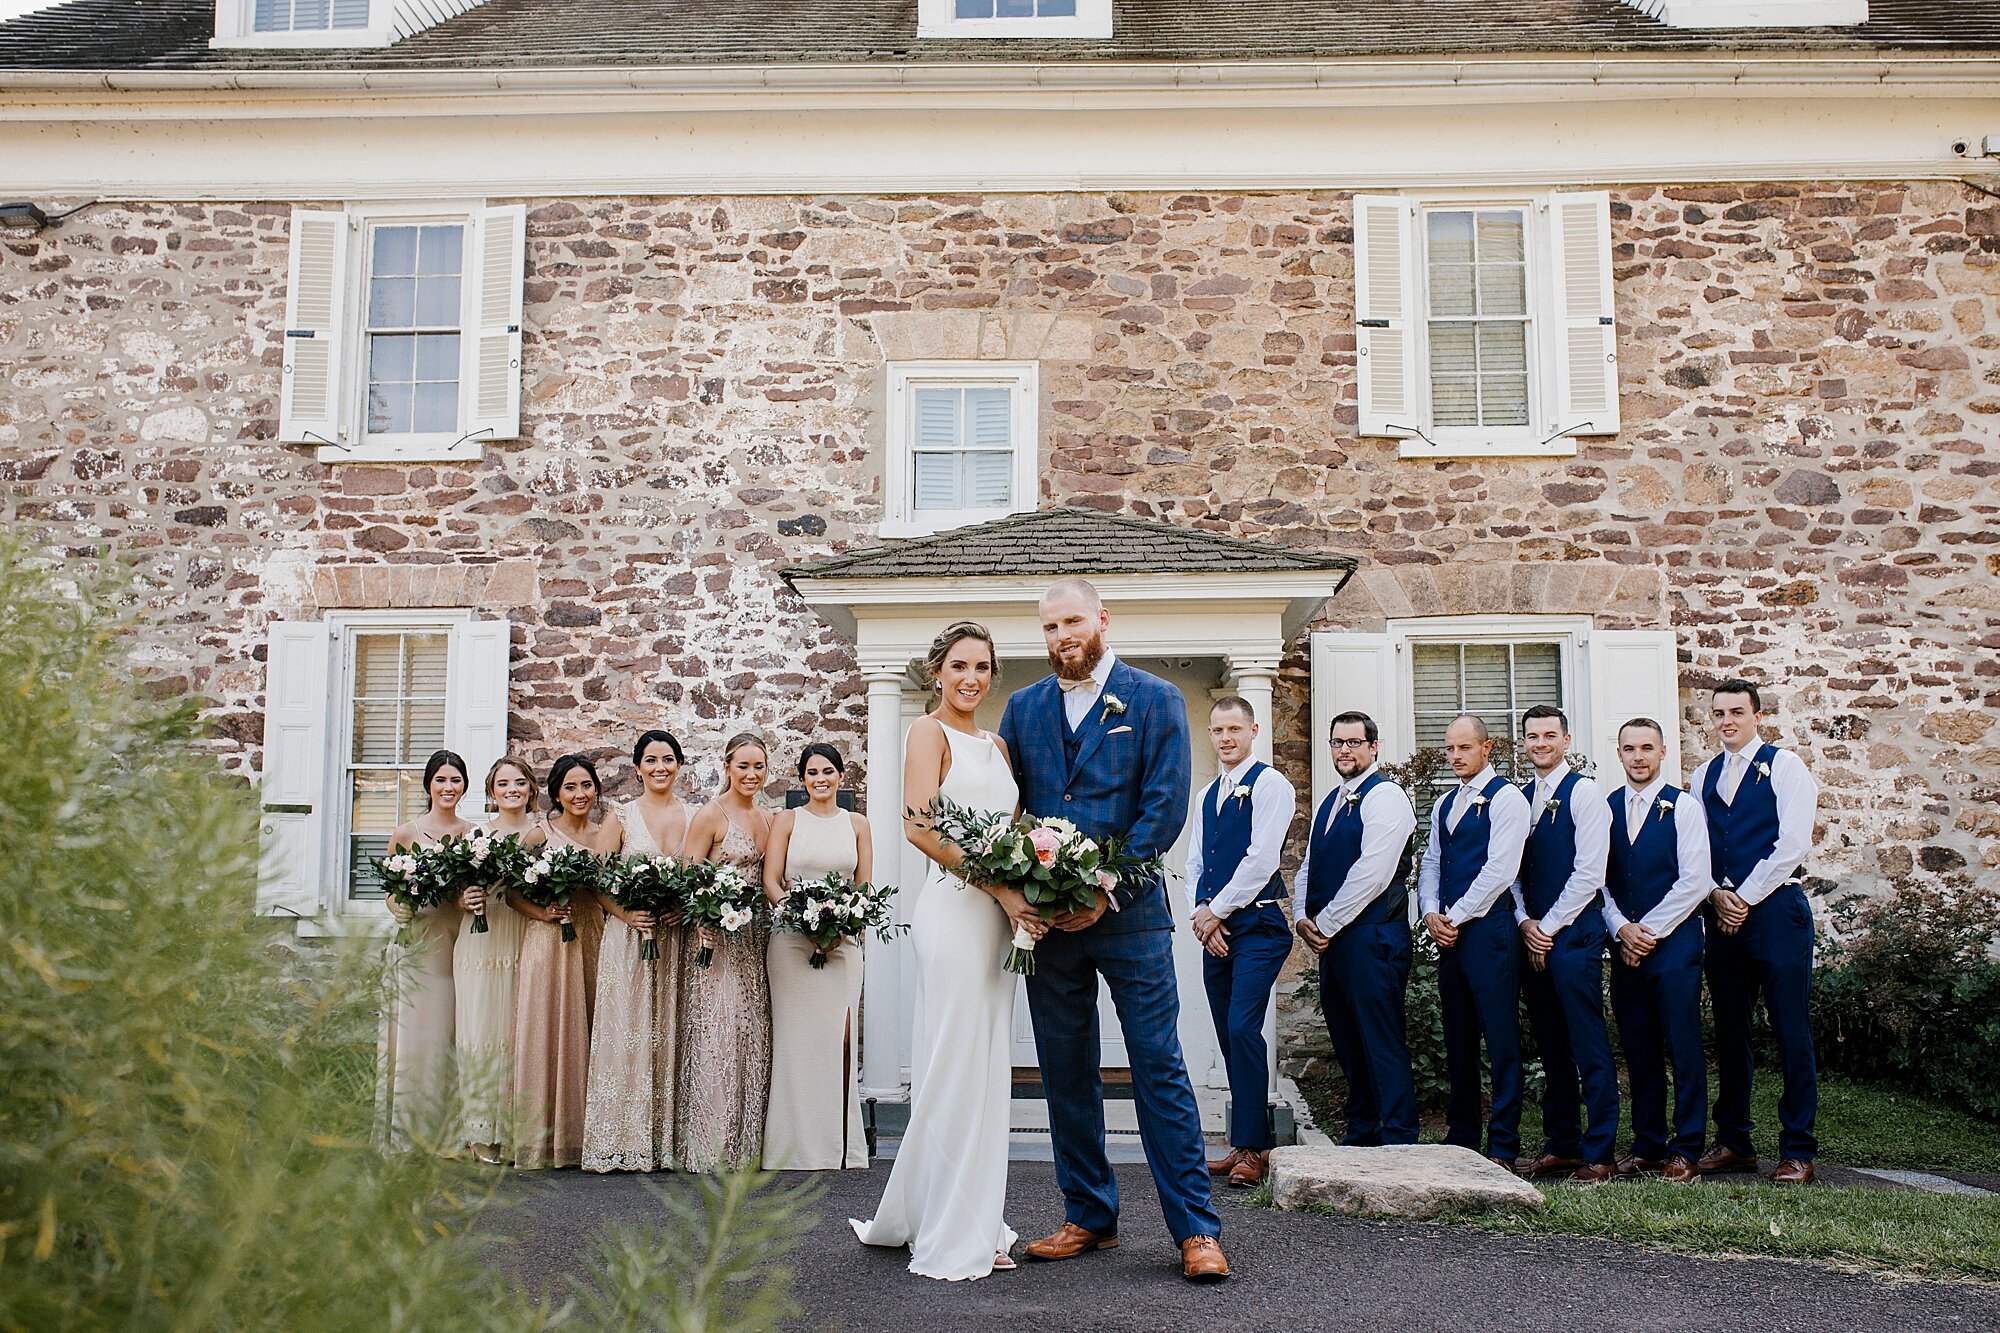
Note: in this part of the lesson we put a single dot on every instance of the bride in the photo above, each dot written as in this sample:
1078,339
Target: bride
948,1188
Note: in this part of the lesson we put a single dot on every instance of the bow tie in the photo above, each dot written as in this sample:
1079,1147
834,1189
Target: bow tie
1087,683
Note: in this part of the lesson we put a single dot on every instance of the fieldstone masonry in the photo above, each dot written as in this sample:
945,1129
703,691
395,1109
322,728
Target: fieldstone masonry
1805,486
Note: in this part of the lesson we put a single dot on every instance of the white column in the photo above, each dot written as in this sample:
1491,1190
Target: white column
1255,678
881,968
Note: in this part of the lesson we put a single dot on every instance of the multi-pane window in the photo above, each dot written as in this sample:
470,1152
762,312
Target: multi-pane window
1476,267
960,444
962,449
1496,682
308,15
1013,9
414,322
396,720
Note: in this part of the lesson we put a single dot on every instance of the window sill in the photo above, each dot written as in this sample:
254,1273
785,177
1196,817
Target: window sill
439,450
359,923
1416,447
931,524
315,39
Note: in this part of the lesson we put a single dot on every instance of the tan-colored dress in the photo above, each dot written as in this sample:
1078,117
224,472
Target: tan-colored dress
413,1072
629,1118
484,966
725,1038
814,1120
552,1004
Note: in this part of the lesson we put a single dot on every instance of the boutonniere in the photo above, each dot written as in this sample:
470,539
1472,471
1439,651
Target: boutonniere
1478,801
1113,707
1353,799
1550,806
1241,793
1664,806
1763,770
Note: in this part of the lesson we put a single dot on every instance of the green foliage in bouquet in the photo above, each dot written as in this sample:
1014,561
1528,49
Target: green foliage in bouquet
185,1109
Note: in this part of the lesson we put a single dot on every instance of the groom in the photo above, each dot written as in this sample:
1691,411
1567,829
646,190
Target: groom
1105,746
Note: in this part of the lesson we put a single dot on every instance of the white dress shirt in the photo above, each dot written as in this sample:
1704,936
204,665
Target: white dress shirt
1592,817
1078,702
1272,805
1387,821
1690,844
1508,815
1798,804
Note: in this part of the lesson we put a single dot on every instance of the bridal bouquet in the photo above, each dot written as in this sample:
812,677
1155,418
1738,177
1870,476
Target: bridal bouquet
466,862
832,908
716,897
1050,861
556,875
646,883
415,878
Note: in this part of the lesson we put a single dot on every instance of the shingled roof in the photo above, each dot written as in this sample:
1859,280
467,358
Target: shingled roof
1050,543
173,34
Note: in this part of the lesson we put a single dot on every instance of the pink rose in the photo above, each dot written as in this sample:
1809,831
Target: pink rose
1044,841
1106,880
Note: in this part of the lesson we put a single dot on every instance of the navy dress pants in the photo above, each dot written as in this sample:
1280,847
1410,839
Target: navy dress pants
1566,1010
1658,1006
1771,955
1480,983
1239,988
1363,978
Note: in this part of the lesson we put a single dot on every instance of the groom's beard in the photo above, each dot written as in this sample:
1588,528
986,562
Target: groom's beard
1093,653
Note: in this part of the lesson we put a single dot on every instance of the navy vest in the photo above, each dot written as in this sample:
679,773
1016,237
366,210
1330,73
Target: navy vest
1225,838
1462,852
1641,871
1334,852
1549,858
1742,834
1072,737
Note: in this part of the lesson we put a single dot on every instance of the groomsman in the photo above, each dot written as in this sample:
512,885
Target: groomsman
1563,938
1656,877
1760,802
1478,830
1351,905
1241,821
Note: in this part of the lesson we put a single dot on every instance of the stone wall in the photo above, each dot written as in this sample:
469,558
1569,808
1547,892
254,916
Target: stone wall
1805,486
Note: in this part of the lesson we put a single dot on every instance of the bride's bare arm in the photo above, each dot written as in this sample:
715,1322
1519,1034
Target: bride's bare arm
924,758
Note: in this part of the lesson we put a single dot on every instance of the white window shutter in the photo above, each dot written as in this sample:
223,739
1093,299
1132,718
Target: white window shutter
492,408
1633,673
315,329
1385,314
478,728
1585,327
294,790
1353,672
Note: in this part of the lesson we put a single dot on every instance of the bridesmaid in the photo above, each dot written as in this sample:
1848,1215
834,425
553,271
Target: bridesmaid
725,1055
483,965
415,1077
552,999
629,1121
814,1121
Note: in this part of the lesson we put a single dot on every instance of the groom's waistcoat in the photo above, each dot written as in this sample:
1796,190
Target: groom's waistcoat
1225,837
1462,849
1336,846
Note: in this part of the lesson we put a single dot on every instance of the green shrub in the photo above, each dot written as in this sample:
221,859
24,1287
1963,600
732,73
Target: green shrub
185,1111
1911,995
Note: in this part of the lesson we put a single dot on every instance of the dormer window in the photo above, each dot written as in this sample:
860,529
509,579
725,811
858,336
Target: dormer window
1014,18
308,15
1754,13
303,23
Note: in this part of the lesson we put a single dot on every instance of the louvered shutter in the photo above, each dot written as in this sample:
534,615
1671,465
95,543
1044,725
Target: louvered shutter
989,438
293,787
1352,672
1633,673
315,315
492,404
936,477
479,700
1586,329
1385,314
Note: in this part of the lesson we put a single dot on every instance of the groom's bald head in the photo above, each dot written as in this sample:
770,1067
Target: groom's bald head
1072,589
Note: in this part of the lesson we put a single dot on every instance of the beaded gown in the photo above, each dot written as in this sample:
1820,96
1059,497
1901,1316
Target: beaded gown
552,1007
725,1037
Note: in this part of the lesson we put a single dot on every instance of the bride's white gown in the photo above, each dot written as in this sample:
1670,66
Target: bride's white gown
947,1190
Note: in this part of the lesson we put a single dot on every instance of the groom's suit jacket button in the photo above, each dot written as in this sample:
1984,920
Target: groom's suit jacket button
1068,797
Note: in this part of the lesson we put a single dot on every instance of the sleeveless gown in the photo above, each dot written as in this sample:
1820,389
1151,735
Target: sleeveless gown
413,1076
629,1114
483,967
725,1040
552,1005
947,1191
814,1123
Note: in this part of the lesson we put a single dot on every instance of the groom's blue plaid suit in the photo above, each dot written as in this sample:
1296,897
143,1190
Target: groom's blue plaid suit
1129,779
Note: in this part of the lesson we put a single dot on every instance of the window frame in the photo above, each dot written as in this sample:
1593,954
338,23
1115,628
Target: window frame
939,19
1022,379
236,28
1570,634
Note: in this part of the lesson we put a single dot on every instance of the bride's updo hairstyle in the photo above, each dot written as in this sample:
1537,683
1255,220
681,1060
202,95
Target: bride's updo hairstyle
949,638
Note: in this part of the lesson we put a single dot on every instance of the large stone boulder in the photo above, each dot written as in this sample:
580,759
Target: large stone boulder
1418,1180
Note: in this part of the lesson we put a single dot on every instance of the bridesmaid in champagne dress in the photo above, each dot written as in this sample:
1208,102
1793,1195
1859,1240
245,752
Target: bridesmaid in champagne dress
483,965
414,1073
629,1121
725,1054
814,1121
552,998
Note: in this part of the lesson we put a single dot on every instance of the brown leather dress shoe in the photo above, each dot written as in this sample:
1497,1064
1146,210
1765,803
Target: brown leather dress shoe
1793,1171
1725,1161
1504,1163
1069,1241
1679,1170
1549,1164
1634,1165
1250,1169
1222,1166
1202,1261
1593,1173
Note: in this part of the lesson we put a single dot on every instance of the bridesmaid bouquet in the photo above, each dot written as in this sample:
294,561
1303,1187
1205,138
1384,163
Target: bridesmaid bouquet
415,878
834,907
466,862
716,897
1050,861
556,875
646,883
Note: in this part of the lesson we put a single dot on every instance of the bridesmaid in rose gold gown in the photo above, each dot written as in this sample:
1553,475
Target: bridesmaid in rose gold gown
552,1001
725,1055
629,1121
